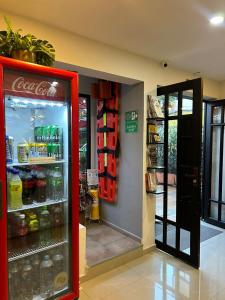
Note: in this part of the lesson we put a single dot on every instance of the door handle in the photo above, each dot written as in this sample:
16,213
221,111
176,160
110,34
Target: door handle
194,176
1,206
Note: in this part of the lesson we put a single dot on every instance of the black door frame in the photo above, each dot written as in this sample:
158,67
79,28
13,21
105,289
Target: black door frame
194,173
88,99
208,138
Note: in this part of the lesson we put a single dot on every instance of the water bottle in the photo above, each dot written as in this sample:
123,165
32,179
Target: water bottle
57,184
46,277
60,274
36,275
27,281
45,224
14,282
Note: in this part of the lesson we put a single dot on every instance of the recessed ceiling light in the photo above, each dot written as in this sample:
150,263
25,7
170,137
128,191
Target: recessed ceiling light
217,20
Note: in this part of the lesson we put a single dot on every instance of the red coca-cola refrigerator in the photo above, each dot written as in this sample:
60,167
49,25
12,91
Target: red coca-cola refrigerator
39,165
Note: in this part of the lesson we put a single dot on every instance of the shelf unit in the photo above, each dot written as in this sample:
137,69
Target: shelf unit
55,293
17,164
156,192
159,122
38,204
18,254
155,143
149,120
155,168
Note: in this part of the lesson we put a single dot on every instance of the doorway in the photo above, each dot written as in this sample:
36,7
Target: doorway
214,174
114,233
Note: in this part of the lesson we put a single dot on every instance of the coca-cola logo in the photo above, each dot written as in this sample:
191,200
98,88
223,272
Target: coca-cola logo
42,88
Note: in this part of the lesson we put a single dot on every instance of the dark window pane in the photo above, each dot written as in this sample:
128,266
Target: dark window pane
83,133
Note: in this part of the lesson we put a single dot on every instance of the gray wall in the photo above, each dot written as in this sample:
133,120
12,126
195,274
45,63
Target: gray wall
126,214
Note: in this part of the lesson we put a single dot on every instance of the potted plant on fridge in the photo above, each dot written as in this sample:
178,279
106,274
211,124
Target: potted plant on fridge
25,47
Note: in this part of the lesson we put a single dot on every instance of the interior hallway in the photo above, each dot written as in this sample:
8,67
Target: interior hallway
158,276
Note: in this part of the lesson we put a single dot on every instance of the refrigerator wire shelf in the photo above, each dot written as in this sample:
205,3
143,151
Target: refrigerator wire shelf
37,204
18,254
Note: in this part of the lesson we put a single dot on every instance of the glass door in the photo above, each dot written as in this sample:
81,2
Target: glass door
214,174
178,201
38,155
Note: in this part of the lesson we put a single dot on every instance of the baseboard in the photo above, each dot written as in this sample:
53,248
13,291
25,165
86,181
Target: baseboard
149,249
123,231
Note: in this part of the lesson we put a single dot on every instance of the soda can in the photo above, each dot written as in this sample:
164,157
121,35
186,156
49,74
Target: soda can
9,149
49,150
59,134
23,152
57,151
41,149
38,133
46,134
32,150
53,133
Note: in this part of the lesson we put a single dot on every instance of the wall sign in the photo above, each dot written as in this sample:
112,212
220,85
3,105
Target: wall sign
131,121
33,86
92,176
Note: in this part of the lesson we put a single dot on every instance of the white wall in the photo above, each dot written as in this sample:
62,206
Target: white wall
80,51
83,52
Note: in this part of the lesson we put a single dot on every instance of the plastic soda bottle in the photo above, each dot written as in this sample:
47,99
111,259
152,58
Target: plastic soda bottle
33,224
22,228
15,191
40,190
57,184
46,277
28,187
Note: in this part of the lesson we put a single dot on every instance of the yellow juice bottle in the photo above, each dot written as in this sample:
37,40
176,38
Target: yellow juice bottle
15,191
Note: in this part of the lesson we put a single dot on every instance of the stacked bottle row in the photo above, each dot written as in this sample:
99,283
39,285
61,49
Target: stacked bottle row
43,220
34,184
38,275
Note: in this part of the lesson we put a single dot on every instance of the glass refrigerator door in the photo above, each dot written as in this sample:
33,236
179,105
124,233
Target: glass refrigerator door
37,122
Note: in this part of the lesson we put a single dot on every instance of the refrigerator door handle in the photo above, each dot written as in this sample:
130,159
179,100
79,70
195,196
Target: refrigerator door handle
1,199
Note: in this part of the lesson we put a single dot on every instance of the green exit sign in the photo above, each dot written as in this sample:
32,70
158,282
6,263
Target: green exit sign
131,121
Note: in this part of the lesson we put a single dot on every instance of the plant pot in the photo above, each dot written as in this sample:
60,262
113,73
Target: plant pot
24,55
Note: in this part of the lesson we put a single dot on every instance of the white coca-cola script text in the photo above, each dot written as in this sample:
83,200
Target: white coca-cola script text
42,88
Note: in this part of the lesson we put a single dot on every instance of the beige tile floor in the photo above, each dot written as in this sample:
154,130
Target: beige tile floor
158,276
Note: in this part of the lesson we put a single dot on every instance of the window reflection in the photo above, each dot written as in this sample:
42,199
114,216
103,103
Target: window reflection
83,133
173,283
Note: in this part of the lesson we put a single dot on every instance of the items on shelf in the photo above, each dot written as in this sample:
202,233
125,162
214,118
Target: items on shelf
33,184
41,275
85,199
151,181
9,149
48,145
153,135
154,154
154,109
151,156
43,220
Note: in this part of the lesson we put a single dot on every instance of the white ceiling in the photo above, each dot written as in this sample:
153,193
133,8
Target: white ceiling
175,30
